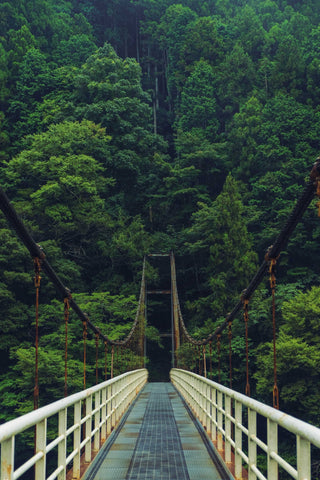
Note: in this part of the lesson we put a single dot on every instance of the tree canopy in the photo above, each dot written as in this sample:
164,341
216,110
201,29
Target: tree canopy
129,128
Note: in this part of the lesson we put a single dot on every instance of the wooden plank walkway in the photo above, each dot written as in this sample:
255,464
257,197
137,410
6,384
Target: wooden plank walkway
157,440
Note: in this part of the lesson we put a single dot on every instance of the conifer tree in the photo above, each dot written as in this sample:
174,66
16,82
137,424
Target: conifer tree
219,238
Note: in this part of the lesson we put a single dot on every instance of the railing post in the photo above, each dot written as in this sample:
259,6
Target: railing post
109,428
126,394
7,459
227,429
88,429
41,441
62,448
96,444
208,409
196,398
272,447
113,406
214,413
122,398
131,394
303,459
199,402
77,440
204,405
189,391
104,414
252,446
193,400
238,439
220,421
118,400
201,409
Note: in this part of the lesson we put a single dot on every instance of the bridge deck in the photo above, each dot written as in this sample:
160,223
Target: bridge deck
157,440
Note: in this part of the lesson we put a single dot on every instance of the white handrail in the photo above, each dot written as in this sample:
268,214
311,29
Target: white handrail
111,399
211,403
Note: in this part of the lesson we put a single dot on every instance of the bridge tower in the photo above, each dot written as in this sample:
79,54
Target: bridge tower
169,329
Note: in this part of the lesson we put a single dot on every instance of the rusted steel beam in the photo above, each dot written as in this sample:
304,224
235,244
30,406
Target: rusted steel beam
159,292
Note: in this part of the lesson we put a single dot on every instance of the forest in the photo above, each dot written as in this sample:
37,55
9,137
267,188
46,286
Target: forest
130,127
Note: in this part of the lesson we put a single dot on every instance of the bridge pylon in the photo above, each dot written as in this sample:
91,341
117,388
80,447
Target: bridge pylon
175,310
175,330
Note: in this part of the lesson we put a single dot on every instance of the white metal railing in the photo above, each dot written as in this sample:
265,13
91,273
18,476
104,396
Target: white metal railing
228,416
103,405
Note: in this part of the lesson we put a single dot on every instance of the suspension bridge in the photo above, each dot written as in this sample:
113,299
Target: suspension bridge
190,428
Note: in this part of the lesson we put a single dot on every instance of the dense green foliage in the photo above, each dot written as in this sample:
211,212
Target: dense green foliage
129,127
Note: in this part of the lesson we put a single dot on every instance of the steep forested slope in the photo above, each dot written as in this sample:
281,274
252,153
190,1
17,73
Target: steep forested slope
135,126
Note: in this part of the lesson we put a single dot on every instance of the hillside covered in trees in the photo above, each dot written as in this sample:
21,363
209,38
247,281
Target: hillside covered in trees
136,126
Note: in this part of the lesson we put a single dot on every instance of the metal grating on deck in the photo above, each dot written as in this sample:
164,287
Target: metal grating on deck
157,441
158,453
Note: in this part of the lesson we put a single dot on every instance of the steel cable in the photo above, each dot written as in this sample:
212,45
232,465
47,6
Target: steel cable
273,253
36,252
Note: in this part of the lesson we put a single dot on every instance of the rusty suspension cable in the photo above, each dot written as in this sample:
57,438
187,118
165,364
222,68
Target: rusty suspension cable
66,321
219,356
37,280
85,335
230,353
273,263
199,359
36,252
112,361
105,360
246,321
312,187
97,358
204,348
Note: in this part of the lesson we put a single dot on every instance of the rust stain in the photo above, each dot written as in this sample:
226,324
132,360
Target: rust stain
230,465
8,468
120,447
190,446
